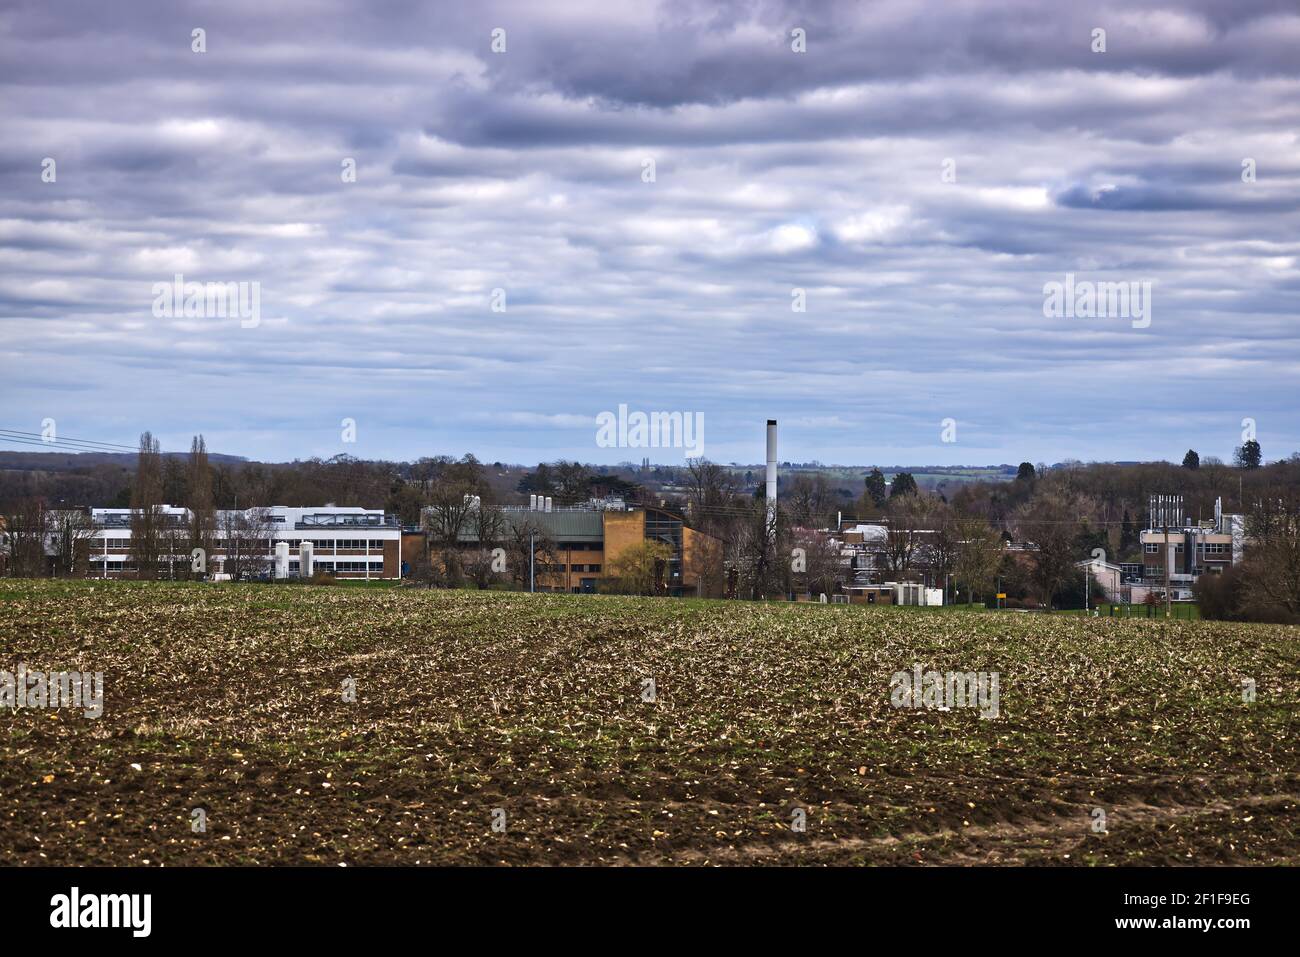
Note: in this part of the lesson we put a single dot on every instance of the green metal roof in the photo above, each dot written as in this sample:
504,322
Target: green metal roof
574,526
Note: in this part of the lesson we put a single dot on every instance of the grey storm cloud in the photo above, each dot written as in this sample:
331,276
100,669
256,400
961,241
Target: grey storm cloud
775,171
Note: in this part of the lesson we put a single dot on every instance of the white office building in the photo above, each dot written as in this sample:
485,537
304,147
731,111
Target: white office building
347,541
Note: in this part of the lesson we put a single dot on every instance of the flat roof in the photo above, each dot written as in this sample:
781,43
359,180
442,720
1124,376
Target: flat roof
567,526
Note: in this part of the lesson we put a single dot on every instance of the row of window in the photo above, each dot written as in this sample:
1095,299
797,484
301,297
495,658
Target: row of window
374,561
341,543
1206,548
124,544
326,544
163,558
118,566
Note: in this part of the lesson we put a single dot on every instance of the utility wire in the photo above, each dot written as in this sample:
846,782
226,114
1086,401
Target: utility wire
58,446
66,443
39,435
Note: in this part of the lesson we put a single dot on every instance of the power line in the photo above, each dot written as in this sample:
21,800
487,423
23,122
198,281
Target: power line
41,435
58,446
17,435
69,444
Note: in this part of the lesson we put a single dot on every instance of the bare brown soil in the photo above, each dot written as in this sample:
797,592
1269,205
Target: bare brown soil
230,699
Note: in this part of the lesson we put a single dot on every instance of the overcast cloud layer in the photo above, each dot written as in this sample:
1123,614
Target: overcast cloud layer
775,170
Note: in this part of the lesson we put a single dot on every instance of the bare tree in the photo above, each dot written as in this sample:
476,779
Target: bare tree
710,495
174,559
482,564
638,569
707,565
1271,571
147,517
756,540
424,471
488,520
26,529
422,571
809,501
979,555
820,567
524,539
202,532
943,544
71,532
1053,520
246,537
909,517
453,500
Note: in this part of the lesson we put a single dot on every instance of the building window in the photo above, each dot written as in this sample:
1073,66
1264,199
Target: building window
360,566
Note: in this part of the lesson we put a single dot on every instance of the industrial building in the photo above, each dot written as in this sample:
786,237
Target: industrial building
862,548
348,542
360,543
586,540
1175,552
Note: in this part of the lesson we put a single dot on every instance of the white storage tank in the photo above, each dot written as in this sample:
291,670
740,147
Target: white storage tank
909,593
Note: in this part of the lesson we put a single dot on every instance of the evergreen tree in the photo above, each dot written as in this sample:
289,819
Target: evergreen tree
903,484
876,488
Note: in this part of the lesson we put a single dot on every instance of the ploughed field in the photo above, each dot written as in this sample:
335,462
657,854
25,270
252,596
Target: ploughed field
530,712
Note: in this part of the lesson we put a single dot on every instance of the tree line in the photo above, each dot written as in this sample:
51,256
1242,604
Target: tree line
945,537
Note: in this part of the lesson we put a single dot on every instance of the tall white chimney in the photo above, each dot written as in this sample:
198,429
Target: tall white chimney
532,503
548,503
771,474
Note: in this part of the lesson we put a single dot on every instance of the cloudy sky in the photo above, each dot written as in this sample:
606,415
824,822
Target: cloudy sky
920,172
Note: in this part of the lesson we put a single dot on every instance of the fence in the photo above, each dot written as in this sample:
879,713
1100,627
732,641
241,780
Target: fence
1179,609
